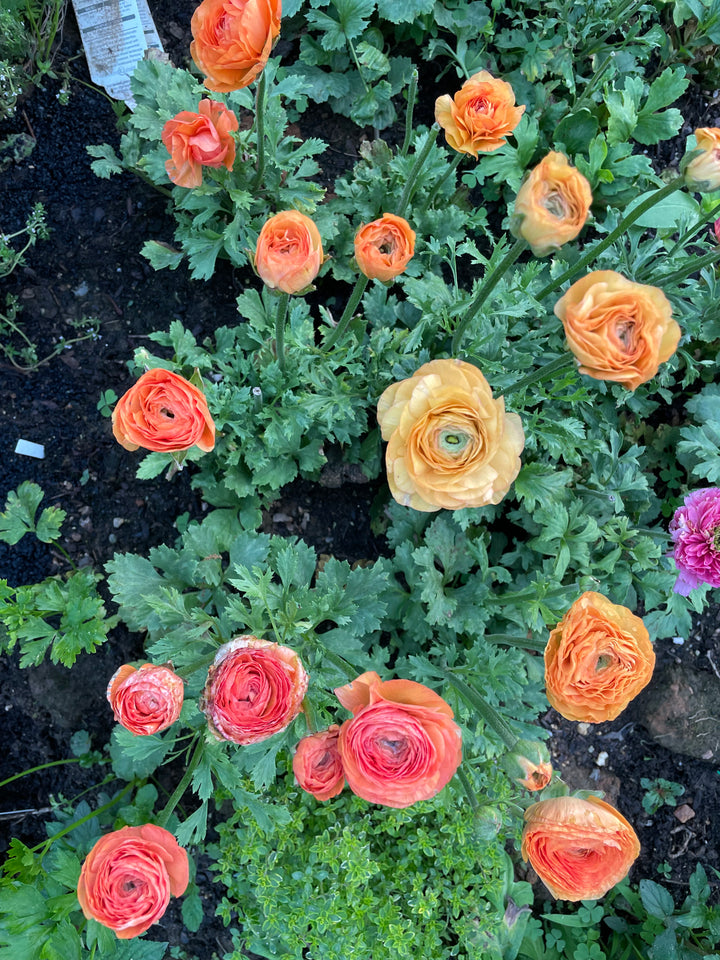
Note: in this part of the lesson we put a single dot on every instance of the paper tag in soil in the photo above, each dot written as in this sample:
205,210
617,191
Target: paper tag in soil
115,34
29,449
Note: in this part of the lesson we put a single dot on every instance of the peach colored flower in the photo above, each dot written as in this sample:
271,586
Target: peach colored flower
578,848
197,140
552,205
450,443
254,689
232,40
384,247
480,115
597,659
163,412
401,745
289,252
128,877
145,700
617,329
528,764
317,764
703,172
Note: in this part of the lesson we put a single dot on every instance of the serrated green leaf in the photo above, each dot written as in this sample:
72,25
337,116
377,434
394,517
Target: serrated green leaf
161,255
137,756
18,518
192,909
541,483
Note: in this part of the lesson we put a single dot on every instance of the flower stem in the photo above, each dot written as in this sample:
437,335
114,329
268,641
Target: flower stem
43,766
525,643
485,290
412,94
177,794
280,328
415,170
355,297
627,221
310,717
260,130
467,787
452,167
545,372
692,231
71,826
347,668
489,714
692,266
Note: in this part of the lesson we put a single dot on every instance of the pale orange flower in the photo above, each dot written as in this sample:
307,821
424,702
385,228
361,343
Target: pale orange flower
480,115
384,247
232,40
552,205
703,172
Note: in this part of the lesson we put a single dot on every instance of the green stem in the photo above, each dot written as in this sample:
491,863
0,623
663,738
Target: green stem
412,94
355,297
348,669
64,552
177,794
692,231
689,268
357,63
454,164
283,301
43,766
508,640
310,717
467,787
486,289
71,826
592,85
545,372
627,221
260,130
415,170
489,714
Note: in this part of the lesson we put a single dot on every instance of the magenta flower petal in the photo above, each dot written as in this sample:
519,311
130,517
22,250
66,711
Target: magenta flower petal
695,529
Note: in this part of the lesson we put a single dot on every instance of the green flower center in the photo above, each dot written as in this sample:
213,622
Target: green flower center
602,661
453,441
715,537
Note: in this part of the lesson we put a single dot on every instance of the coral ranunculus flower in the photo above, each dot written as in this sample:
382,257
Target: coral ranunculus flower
128,877
289,252
146,700
579,848
197,140
552,205
384,247
163,412
480,115
450,443
597,659
695,529
617,329
401,745
703,172
254,689
317,764
232,40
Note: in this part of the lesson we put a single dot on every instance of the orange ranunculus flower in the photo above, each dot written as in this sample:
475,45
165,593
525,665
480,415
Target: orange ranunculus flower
197,140
597,659
317,764
450,443
232,40
578,848
703,172
255,688
384,247
401,745
552,205
528,764
289,252
618,330
146,700
163,412
480,115
128,876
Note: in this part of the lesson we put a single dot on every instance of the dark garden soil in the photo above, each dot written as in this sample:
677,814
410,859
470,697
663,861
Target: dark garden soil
91,266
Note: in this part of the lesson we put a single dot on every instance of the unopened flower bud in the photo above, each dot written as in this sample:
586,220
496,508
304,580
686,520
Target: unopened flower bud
529,764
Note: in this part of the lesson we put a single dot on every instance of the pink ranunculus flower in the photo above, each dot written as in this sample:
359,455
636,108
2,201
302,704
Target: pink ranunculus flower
695,530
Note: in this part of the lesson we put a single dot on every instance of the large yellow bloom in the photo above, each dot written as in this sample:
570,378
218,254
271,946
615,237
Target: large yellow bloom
450,443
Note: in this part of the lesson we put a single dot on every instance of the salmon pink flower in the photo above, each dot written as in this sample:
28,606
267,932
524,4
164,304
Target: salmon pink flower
317,764
146,700
401,745
128,877
578,848
254,689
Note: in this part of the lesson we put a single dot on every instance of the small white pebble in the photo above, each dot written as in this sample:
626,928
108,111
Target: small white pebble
602,758
583,729
678,641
